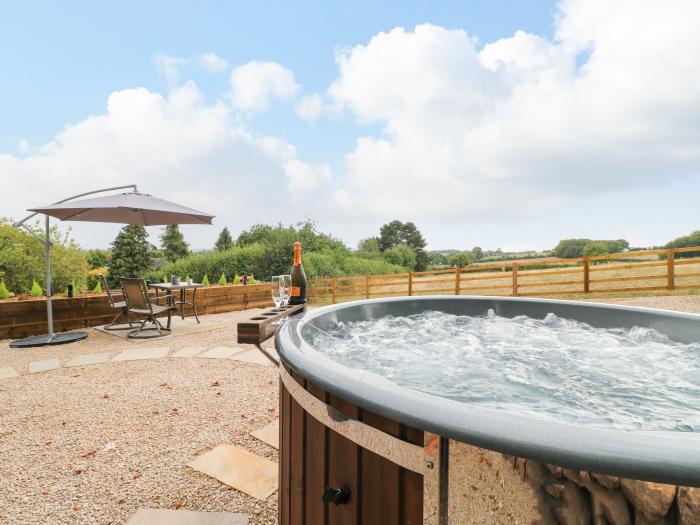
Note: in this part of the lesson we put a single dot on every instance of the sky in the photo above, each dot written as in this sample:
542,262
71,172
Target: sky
492,123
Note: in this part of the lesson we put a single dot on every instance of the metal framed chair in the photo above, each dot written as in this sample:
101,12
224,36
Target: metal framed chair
117,305
138,303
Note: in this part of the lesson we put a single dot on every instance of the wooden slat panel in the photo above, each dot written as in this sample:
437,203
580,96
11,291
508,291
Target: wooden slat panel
316,464
411,484
284,453
380,480
297,459
343,468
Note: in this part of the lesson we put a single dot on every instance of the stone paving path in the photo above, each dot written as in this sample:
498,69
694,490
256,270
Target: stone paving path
248,355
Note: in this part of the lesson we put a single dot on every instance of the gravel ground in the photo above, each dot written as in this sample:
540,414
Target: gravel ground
159,414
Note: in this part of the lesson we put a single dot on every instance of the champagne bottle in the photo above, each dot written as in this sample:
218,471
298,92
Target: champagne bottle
298,291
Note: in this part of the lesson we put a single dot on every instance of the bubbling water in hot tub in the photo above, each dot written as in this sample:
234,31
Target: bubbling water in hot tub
552,368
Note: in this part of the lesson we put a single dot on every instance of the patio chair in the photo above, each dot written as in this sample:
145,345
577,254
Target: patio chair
117,305
139,303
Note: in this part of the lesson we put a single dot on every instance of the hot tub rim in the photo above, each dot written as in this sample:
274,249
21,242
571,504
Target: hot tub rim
664,457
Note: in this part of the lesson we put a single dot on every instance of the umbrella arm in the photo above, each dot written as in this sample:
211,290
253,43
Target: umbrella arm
21,223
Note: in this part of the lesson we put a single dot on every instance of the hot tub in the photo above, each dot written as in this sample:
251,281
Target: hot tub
357,450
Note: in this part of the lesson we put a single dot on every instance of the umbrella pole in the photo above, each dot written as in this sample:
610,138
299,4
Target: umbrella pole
49,291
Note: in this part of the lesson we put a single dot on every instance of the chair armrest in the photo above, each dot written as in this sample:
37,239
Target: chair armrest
156,299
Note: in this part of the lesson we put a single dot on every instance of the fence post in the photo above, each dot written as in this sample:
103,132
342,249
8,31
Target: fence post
367,286
586,275
671,269
514,270
458,279
333,289
410,283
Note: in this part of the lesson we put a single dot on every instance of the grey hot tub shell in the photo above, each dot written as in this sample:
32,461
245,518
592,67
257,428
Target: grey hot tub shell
664,457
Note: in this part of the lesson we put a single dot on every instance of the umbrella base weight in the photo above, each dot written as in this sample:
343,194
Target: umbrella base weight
45,340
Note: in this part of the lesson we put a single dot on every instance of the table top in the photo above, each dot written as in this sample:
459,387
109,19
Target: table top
168,286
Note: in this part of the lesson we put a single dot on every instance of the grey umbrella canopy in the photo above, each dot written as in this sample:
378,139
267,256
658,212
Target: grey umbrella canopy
126,208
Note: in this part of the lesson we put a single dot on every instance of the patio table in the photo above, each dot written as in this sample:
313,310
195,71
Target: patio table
182,288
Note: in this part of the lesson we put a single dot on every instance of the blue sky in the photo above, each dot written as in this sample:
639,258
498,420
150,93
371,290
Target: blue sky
60,66
516,189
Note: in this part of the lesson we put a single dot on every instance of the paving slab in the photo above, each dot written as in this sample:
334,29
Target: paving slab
221,352
252,356
137,354
269,434
88,359
44,365
7,372
186,517
240,469
189,351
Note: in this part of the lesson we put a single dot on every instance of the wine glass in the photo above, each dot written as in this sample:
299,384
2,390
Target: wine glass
276,283
286,281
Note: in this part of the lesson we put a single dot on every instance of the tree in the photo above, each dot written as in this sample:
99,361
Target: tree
173,243
436,258
692,239
461,259
97,258
478,253
225,241
130,254
570,248
396,232
370,244
595,248
22,258
401,255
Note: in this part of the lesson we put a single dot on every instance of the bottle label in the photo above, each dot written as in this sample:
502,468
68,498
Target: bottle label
296,291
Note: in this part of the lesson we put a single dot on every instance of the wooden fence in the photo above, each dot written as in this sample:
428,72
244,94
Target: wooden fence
25,318
642,271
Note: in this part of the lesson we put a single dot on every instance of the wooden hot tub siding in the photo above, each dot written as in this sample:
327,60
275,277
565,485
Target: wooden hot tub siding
313,457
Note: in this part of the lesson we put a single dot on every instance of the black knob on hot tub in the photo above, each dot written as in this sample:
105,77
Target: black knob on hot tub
338,496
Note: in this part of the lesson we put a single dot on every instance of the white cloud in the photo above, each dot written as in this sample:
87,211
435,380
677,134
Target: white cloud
23,146
253,85
168,66
178,147
310,107
304,178
520,126
213,62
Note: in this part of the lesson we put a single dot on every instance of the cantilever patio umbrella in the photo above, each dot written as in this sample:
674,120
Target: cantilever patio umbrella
124,208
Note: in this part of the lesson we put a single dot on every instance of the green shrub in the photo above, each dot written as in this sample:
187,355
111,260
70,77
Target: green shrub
461,259
681,242
4,292
97,288
22,258
222,279
36,289
236,279
595,249
252,280
401,255
205,280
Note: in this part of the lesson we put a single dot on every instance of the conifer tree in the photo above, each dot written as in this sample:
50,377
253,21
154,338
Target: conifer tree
173,243
224,242
131,254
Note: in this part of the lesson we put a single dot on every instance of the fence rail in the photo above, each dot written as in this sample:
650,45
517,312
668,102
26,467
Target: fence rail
614,273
